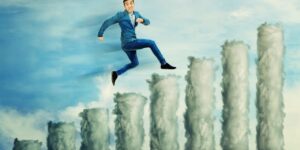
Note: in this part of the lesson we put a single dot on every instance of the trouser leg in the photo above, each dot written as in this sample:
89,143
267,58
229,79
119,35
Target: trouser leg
133,62
144,43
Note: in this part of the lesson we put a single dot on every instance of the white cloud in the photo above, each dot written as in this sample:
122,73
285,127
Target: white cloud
33,125
242,13
105,100
15,124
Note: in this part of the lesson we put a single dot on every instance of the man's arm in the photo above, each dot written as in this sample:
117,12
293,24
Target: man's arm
145,20
108,23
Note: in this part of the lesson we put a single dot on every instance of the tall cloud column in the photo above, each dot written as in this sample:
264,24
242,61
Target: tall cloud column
199,120
61,136
129,125
94,129
270,114
235,93
27,145
164,104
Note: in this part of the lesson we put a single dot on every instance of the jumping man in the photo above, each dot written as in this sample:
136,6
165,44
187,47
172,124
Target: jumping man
128,20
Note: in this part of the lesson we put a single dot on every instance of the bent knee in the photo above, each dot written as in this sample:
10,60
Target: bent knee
151,42
134,64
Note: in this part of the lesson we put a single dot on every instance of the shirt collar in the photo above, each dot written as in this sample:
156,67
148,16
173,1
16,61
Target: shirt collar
129,13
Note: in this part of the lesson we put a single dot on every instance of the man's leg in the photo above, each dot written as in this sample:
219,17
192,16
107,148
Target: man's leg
133,63
144,43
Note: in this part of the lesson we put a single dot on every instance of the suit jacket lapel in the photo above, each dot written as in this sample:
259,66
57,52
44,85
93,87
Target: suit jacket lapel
128,18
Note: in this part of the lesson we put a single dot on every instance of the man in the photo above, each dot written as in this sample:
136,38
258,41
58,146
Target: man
128,20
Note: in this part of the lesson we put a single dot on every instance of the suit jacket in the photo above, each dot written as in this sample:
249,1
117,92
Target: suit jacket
127,29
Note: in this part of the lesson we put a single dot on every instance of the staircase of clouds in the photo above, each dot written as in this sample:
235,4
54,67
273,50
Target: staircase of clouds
200,106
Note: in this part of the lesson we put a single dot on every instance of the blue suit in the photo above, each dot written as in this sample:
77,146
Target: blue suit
129,40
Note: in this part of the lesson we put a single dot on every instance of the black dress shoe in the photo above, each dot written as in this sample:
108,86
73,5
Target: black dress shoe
167,66
114,77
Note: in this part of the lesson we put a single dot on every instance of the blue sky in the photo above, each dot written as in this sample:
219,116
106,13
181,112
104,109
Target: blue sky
52,64
45,55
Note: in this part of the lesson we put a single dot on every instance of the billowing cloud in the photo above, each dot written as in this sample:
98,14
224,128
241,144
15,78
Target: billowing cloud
28,126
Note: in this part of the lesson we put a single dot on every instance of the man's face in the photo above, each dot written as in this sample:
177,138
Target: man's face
129,6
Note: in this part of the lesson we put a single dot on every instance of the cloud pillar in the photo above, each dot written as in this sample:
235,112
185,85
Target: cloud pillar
27,145
199,120
235,95
164,104
129,125
94,129
61,136
269,103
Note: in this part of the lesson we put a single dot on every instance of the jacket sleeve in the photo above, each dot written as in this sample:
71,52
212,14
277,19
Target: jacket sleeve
146,21
108,23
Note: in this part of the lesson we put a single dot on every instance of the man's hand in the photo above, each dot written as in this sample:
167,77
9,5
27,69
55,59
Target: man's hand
139,20
101,38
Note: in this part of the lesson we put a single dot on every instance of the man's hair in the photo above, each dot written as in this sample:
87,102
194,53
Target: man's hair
126,0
